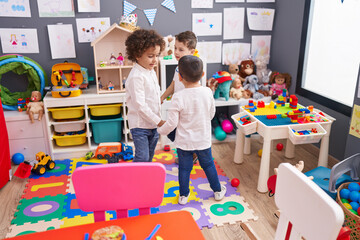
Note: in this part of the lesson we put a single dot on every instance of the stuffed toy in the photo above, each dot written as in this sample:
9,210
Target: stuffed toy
224,80
261,67
279,81
236,90
264,87
234,71
129,22
169,47
35,106
251,84
212,83
247,67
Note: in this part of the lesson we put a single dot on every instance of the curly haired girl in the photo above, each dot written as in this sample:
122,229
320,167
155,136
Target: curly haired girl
143,92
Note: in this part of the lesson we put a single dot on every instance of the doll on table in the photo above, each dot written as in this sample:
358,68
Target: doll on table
35,106
279,81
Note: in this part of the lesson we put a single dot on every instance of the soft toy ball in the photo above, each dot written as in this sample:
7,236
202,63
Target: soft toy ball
235,182
17,158
279,146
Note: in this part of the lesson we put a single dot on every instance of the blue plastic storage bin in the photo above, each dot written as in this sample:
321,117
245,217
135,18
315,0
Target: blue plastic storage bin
106,130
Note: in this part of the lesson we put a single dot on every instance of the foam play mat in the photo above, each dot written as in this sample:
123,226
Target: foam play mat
49,201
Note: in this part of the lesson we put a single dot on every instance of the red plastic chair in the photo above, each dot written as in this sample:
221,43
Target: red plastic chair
119,186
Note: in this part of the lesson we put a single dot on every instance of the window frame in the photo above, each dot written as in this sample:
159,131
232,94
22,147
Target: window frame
327,102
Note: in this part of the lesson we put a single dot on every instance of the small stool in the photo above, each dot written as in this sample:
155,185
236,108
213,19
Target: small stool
322,176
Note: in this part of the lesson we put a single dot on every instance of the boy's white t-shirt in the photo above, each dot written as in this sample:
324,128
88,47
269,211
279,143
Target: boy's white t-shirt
142,98
190,113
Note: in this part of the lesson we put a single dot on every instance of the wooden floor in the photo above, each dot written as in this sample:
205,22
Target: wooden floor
247,172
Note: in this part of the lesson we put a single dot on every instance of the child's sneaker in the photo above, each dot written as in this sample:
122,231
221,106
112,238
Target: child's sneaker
195,158
220,195
183,199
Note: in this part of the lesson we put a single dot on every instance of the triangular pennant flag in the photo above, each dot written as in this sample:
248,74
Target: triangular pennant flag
128,7
169,4
150,14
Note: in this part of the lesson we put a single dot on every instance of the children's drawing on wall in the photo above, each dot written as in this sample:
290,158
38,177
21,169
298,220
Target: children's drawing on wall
61,39
19,40
234,53
260,19
15,8
88,5
88,29
260,45
210,51
234,23
56,8
207,24
355,122
202,3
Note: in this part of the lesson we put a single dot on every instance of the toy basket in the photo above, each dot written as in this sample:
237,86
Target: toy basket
248,128
351,220
309,138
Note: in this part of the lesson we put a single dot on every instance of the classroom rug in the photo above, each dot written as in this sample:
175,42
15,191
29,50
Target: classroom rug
49,200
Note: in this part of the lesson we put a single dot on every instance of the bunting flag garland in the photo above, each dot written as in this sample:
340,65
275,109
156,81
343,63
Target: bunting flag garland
128,7
150,14
169,4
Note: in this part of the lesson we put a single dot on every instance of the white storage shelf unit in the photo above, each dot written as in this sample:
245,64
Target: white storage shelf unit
87,98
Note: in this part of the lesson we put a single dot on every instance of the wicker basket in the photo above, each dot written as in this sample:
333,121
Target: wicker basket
351,220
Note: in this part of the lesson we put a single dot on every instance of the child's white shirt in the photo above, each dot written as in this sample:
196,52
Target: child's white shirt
190,113
142,98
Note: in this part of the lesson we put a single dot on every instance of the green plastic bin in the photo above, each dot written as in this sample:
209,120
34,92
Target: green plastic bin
106,130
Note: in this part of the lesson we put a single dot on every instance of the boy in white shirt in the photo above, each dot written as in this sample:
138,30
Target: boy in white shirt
185,44
190,113
143,92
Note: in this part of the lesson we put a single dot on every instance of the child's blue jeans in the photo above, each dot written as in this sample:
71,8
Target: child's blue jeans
207,164
145,141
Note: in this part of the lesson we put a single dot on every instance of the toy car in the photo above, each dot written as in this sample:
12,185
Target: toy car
89,155
167,148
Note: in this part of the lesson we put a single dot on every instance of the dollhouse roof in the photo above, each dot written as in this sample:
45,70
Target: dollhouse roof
114,27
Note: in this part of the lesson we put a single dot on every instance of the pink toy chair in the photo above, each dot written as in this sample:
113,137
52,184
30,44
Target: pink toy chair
119,186
305,209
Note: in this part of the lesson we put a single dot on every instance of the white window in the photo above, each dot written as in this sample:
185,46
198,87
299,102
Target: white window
332,49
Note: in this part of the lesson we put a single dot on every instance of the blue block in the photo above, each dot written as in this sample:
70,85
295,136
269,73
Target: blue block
322,176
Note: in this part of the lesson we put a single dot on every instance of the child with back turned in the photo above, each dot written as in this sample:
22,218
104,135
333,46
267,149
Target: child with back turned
185,44
143,92
191,112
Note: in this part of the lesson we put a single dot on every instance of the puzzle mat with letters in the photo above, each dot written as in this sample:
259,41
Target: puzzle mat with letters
49,201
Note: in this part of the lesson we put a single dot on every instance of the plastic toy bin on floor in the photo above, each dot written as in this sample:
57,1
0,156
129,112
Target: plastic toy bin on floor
105,110
70,140
245,128
107,130
67,113
313,137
